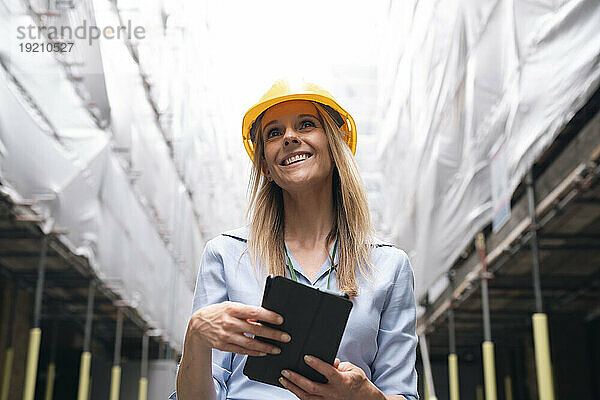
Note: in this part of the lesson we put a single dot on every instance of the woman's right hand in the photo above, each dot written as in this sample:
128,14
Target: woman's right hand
222,326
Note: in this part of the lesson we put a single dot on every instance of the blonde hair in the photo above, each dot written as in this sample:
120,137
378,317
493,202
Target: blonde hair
352,220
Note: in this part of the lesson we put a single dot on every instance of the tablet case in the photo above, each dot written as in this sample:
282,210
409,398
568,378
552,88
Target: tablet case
315,319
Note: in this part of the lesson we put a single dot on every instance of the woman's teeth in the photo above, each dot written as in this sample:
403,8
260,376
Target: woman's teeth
296,158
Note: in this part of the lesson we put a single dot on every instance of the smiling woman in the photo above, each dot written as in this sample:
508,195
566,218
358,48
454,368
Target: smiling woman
309,219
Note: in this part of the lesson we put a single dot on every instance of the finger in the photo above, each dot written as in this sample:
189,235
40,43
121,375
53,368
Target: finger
346,366
258,329
252,344
303,383
234,334
336,362
301,394
240,350
321,366
256,313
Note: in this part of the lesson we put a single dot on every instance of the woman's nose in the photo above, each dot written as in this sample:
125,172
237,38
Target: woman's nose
290,136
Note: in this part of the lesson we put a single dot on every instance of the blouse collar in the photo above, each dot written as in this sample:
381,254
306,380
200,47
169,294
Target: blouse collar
243,232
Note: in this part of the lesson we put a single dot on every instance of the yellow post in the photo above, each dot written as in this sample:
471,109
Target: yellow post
425,387
143,394
508,392
50,381
33,352
8,362
115,382
489,370
84,376
453,376
542,357
479,392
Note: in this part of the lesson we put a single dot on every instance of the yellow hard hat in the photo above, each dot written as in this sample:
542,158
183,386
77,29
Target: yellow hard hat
285,90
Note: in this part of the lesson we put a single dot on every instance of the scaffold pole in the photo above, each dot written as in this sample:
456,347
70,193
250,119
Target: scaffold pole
115,373
508,391
86,356
9,354
479,392
35,334
52,364
452,355
487,347
143,387
428,376
541,341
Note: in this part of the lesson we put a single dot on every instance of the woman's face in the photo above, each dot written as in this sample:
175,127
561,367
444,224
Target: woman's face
296,152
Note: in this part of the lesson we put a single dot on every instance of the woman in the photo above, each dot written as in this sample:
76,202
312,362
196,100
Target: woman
309,208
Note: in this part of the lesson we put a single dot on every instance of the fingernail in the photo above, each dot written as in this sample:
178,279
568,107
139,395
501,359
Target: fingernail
285,337
285,373
308,358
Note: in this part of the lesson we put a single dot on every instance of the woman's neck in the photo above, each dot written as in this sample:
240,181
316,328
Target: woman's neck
308,216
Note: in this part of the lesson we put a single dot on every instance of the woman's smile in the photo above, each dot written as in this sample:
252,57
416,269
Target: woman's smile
295,159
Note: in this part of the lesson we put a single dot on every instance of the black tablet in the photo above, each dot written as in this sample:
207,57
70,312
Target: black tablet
314,318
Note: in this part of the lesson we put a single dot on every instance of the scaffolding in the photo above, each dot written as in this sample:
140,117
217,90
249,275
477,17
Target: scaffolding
84,221
483,109
541,263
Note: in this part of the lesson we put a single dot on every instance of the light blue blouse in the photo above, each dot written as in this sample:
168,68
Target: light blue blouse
379,337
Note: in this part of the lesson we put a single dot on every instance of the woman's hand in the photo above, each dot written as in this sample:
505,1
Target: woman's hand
345,381
222,326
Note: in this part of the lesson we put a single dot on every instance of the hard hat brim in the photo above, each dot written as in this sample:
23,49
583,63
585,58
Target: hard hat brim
349,126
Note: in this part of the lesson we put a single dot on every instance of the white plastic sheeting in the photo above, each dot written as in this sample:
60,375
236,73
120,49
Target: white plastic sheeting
119,190
142,160
473,80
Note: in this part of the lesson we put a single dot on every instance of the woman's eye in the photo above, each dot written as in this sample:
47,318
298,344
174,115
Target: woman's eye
307,124
272,132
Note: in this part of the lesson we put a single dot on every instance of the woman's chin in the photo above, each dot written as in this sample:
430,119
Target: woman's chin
300,180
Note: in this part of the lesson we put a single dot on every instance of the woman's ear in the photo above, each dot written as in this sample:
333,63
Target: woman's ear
265,169
263,166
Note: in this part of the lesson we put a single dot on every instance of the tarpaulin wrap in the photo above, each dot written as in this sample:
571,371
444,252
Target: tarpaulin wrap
93,199
191,116
139,230
473,76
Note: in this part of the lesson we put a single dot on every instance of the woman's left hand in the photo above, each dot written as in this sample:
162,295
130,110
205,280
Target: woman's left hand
346,381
